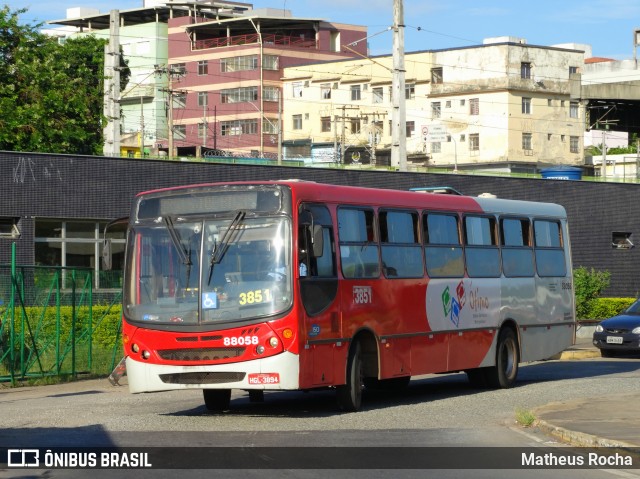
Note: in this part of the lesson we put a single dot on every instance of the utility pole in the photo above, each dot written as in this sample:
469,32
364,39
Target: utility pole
141,126
112,87
399,113
343,135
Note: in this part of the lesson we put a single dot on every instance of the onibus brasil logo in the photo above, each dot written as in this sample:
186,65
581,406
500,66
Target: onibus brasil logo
451,305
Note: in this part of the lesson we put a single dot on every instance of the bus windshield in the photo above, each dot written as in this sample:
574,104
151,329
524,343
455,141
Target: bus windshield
189,272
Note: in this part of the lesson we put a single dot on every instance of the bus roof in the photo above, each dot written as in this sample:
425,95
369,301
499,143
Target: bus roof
358,195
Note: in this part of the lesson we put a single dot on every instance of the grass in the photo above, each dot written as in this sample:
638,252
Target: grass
525,417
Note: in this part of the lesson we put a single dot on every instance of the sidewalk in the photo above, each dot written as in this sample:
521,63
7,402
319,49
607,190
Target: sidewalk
612,421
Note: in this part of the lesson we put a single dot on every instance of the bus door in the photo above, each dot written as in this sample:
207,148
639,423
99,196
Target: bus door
319,294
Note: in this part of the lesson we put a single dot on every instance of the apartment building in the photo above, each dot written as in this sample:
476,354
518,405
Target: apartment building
504,105
226,76
206,75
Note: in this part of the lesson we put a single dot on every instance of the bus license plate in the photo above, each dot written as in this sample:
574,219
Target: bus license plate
614,340
264,378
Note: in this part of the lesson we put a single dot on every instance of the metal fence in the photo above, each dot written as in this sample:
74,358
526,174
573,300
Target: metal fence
53,323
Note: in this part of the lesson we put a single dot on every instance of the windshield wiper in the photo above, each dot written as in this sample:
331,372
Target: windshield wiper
185,256
219,249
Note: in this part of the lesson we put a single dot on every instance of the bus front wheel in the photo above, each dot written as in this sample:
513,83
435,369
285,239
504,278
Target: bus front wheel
504,373
217,400
349,395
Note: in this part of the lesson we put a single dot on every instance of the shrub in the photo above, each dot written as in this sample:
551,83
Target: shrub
588,285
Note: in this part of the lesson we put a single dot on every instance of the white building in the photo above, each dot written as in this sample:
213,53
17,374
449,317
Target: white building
504,105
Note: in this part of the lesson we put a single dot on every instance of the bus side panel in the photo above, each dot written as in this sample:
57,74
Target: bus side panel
468,349
544,342
395,358
429,353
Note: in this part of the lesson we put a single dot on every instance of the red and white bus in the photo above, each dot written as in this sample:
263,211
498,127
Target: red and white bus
295,285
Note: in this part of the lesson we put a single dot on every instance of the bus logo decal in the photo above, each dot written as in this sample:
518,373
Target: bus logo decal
452,306
315,330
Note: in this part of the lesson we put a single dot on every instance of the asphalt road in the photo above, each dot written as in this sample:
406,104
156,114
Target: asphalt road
435,411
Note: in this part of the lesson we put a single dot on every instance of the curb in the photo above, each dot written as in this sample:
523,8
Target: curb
582,439
580,354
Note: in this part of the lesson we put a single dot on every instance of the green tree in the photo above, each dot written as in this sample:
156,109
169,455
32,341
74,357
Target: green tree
588,285
53,91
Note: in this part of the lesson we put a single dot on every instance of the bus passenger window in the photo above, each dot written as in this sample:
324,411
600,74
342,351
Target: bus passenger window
401,252
550,259
481,248
517,254
358,245
443,250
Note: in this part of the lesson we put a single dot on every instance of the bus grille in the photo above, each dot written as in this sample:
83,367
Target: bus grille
202,378
200,354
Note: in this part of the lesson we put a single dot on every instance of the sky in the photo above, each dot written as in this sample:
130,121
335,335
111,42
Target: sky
606,25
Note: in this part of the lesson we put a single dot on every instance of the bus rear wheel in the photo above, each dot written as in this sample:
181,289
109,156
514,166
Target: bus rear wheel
505,372
217,400
349,395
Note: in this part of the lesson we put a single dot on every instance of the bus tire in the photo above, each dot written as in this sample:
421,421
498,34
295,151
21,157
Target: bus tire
217,400
504,373
349,395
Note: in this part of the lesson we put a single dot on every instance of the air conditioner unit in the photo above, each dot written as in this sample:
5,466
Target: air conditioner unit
306,84
335,86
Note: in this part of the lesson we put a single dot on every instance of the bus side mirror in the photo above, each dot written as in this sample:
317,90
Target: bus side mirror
317,241
107,262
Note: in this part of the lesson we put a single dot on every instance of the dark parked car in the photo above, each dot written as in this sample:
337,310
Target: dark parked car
620,333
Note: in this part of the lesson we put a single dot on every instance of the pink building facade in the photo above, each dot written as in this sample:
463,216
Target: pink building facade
225,77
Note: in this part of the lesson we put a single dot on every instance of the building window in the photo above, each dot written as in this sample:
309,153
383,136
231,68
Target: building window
203,67
202,130
574,145
474,106
377,94
526,106
356,93
76,243
411,128
179,101
621,240
355,125
474,142
271,93
436,109
203,98
239,95
297,122
573,70
179,132
325,91
297,89
462,102
573,109
410,91
270,62
447,104
178,69
436,76
325,124
436,147
525,70
9,227
239,127
527,141
236,64
269,127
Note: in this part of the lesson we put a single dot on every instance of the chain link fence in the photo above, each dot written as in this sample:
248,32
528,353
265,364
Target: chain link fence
54,323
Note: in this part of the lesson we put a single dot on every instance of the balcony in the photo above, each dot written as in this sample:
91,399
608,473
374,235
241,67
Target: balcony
253,38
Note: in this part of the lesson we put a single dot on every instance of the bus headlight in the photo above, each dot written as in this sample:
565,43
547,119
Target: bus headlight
273,342
260,349
135,348
146,354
